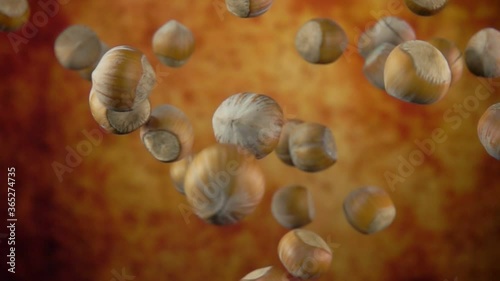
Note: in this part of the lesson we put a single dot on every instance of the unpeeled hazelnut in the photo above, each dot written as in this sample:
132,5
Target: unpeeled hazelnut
248,8
312,147
452,55
482,54
417,72
173,44
13,14
252,121
321,41
488,130
375,63
168,134
304,254
223,185
282,148
369,209
293,206
425,7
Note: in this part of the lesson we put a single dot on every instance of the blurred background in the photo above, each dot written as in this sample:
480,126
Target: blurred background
113,214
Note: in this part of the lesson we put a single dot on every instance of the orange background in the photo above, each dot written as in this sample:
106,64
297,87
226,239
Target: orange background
117,209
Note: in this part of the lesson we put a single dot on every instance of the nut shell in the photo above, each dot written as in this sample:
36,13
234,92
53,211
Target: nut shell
123,78
304,254
488,130
369,209
77,47
223,185
482,54
117,122
293,206
249,120
173,44
425,7
321,41
312,147
417,72
168,135
13,14
248,8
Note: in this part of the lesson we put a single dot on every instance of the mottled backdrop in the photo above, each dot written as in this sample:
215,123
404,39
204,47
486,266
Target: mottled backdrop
113,215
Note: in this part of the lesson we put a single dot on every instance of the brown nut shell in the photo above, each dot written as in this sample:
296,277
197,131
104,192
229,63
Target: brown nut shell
488,130
173,44
248,8
282,148
13,14
425,7
77,47
321,41
482,54
168,135
293,206
223,185
369,209
452,55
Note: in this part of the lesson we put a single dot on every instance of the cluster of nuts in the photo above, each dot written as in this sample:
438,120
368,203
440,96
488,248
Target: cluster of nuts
223,183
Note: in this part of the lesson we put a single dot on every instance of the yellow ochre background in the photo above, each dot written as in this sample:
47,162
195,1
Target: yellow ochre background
116,216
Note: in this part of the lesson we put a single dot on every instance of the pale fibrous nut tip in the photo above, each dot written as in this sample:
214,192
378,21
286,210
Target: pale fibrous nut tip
252,121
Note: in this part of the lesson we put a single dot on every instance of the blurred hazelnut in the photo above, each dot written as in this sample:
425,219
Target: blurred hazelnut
369,209
77,47
304,254
250,120
178,171
283,149
387,30
488,130
223,185
86,73
248,8
375,63
417,72
312,147
13,14
425,7
123,78
168,135
293,206
321,41
482,54
173,44
452,55
117,122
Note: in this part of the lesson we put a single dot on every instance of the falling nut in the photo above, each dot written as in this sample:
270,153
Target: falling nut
417,72
387,30
321,41
304,254
168,135
13,14
223,185
488,130
249,120
425,7
373,69
482,54
173,44
452,55
312,147
248,8
369,209
123,78
282,148
293,206
178,171
78,47
117,122
86,73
